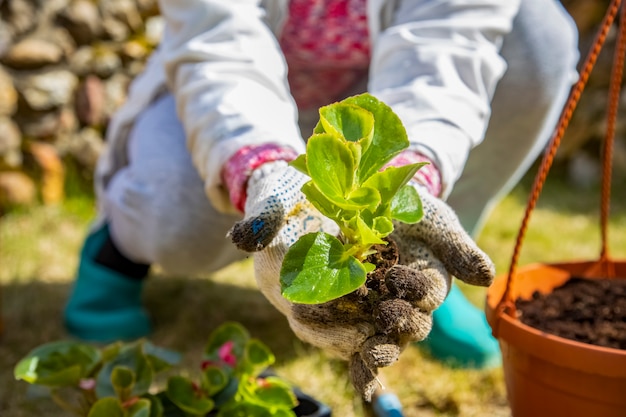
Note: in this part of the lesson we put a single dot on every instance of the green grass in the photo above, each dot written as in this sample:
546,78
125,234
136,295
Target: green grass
38,256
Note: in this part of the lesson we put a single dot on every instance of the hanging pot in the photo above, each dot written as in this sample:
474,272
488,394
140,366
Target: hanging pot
547,375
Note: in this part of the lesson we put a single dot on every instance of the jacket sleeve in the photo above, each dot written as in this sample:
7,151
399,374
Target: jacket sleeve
228,76
437,66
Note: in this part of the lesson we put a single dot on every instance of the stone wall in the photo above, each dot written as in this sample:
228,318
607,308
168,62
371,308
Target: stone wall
65,66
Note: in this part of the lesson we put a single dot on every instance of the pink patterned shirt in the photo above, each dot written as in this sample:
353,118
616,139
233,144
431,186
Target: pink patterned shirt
327,48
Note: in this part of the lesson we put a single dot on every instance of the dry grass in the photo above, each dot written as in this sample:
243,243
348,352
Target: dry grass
38,255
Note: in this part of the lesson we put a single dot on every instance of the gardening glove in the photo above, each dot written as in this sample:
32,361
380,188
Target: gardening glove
430,252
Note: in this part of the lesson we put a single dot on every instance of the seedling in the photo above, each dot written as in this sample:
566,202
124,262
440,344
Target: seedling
350,145
119,380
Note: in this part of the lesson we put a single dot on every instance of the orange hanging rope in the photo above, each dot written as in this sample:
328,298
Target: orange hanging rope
607,155
506,303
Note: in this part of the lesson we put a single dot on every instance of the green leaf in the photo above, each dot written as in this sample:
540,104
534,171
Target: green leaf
389,137
368,235
214,379
244,409
140,409
258,356
123,380
383,226
350,122
276,393
58,364
227,394
283,413
389,181
300,164
406,206
331,166
112,350
160,359
132,357
106,407
316,269
184,395
363,198
319,201
156,406
229,331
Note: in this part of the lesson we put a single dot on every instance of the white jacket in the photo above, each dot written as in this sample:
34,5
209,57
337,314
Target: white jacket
435,62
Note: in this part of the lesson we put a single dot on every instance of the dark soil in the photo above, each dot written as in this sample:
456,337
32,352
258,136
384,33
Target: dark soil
590,311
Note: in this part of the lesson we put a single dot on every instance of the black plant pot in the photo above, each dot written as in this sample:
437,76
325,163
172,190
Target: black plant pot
309,406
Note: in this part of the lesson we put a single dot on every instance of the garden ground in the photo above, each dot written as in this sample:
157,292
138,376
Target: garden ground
38,256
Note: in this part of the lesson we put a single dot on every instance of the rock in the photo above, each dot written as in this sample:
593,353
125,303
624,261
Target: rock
115,30
51,172
134,50
40,125
154,30
19,16
61,37
10,143
81,62
82,20
89,102
32,53
124,11
86,147
8,94
105,61
49,90
147,8
16,189
6,39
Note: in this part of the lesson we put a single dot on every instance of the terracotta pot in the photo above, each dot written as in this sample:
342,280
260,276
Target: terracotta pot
547,375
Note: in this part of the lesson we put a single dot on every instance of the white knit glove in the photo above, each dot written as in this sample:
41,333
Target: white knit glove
431,251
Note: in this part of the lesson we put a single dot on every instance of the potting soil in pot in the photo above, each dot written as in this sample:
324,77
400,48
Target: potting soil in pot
589,311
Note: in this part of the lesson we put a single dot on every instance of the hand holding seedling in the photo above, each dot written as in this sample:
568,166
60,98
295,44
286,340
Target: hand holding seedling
318,224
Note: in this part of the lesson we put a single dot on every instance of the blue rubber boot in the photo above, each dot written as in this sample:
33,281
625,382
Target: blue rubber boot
461,336
105,305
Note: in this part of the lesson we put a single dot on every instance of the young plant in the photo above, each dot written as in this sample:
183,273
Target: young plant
350,145
119,380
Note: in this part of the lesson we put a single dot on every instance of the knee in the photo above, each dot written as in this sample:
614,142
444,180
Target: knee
552,46
192,236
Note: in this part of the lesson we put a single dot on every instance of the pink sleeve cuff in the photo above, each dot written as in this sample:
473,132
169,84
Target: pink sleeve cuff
237,170
428,175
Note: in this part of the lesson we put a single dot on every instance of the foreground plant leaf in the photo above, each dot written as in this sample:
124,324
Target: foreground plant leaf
58,364
350,145
184,394
389,137
316,269
229,332
107,407
142,408
133,358
276,393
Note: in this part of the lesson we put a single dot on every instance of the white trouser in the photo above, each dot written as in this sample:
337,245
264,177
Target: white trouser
159,214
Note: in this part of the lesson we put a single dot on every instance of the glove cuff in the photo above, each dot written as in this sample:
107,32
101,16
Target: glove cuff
239,167
428,176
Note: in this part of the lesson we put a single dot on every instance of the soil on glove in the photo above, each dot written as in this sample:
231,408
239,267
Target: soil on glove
590,311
